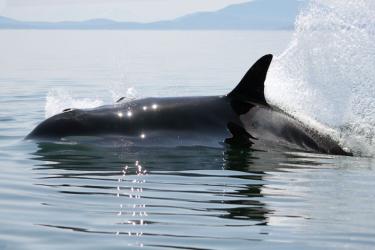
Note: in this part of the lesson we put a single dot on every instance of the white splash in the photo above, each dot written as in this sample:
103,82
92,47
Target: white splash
59,99
121,89
327,73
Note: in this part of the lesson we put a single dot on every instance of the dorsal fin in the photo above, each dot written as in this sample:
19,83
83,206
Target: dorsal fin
251,87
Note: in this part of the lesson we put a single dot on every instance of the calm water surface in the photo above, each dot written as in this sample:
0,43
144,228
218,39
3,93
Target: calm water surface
81,196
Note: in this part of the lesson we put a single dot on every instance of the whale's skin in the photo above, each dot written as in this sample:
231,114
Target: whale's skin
162,119
242,118
185,120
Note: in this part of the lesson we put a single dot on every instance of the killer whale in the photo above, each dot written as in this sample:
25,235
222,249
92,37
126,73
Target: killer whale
242,118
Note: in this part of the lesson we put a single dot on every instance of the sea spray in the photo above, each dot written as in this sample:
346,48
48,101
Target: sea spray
327,73
121,89
59,99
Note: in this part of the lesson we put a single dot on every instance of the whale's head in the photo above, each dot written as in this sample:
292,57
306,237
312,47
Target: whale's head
67,123
104,120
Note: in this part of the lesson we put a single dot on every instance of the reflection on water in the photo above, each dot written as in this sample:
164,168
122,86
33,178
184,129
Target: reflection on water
132,210
91,196
161,196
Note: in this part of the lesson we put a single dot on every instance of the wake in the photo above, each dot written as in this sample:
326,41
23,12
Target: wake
326,75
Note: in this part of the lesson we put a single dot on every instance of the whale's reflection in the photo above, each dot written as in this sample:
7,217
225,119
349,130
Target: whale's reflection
168,192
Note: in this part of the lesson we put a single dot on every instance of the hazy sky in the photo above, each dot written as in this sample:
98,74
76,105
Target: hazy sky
124,10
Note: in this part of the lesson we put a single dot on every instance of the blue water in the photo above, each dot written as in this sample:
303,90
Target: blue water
80,196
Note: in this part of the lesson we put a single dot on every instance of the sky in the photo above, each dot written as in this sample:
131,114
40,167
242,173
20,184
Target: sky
120,10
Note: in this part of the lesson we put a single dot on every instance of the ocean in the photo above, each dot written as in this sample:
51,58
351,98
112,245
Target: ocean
56,195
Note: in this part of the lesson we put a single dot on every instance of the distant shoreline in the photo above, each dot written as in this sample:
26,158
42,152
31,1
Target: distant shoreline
108,29
253,15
